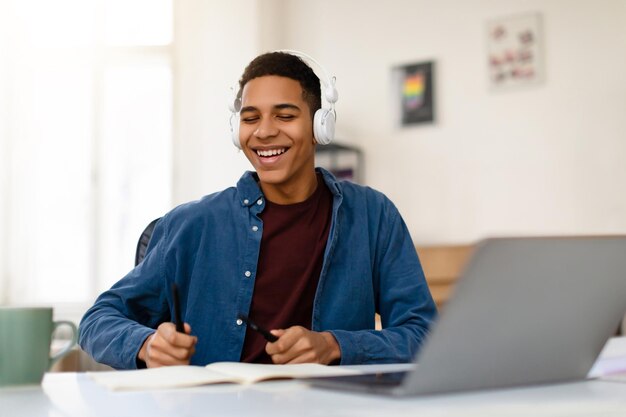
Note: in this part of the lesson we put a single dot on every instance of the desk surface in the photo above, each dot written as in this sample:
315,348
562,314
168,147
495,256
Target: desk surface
74,395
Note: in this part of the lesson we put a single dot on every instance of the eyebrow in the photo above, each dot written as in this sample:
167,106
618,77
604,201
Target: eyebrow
282,106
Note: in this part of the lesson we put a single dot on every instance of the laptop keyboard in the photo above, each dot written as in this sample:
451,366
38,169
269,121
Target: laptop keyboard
390,379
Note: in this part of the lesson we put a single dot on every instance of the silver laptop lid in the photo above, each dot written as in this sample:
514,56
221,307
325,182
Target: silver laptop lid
525,311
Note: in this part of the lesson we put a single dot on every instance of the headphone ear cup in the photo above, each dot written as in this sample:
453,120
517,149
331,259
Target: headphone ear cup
234,105
234,129
324,126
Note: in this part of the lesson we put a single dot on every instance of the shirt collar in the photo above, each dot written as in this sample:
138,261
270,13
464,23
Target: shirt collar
248,189
331,182
250,192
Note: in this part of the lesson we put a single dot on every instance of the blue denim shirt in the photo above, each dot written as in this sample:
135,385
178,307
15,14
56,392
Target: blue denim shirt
210,248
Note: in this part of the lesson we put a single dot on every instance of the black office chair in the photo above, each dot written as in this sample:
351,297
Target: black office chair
144,240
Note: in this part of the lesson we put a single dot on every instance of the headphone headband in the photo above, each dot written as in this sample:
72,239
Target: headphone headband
327,81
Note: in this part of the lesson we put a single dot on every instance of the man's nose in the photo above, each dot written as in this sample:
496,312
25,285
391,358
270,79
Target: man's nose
266,128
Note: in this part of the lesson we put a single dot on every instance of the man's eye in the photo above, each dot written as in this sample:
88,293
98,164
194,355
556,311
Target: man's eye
249,119
286,116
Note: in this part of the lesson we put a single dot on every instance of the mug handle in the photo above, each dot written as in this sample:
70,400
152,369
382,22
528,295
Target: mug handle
70,345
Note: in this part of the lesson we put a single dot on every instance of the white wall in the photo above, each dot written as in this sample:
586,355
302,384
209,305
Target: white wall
214,41
544,160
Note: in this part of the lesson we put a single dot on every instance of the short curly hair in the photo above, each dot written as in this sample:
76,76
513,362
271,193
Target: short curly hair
284,64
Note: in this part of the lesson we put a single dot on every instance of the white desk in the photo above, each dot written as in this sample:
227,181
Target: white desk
75,395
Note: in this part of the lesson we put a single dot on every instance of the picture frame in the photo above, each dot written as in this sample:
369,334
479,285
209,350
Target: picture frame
414,93
515,49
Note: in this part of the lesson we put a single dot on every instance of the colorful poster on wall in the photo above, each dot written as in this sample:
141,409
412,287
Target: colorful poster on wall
414,86
515,48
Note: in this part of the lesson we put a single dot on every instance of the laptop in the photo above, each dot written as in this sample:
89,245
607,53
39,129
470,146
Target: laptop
525,311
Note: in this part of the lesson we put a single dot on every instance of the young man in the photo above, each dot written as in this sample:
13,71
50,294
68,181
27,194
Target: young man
300,253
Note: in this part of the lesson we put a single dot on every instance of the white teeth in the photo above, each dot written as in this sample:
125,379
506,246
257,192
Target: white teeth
271,152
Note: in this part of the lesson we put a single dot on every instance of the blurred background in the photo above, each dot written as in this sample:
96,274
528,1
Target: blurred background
112,112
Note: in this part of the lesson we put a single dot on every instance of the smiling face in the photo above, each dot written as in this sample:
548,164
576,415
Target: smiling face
276,135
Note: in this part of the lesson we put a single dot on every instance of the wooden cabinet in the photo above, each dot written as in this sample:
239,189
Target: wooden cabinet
442,266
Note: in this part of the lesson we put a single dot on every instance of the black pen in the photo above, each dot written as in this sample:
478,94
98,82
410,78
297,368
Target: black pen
180,327
266,334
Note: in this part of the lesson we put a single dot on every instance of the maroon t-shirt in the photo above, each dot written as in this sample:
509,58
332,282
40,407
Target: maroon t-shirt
290,263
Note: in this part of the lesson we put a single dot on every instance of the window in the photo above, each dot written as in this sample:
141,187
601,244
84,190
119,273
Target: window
86,110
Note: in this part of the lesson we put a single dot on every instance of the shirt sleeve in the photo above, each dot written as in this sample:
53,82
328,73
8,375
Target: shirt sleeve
403,301
113,330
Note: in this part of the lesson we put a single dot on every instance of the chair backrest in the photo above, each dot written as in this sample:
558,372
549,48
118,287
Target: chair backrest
144,240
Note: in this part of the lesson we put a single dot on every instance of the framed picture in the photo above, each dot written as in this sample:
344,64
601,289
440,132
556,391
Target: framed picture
515,51
414,94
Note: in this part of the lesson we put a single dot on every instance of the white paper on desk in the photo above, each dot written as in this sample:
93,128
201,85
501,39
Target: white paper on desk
612,359
621,377
608,367
218,372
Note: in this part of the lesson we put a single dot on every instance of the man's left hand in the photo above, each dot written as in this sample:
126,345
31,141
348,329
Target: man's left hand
299,345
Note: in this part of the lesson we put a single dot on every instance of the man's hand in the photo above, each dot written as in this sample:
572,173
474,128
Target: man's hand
167,347
299,345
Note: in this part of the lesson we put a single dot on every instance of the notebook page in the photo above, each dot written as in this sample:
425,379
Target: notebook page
252,372
164,377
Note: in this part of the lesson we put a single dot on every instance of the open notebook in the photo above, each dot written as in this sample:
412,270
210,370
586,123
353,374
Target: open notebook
215,373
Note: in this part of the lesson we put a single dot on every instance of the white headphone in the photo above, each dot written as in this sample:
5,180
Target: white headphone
324,118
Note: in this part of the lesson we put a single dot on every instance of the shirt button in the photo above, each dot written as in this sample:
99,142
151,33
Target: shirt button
239,322
259,201
246,201
247,274
255,228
